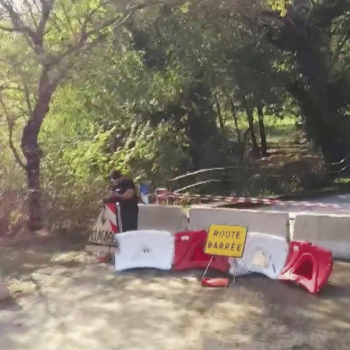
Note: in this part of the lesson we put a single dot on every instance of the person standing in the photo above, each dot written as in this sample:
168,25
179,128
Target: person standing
123,191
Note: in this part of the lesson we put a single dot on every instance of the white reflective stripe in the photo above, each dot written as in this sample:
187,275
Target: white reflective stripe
111,216
119,222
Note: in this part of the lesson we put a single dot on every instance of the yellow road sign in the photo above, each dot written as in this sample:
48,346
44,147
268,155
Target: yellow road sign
226,240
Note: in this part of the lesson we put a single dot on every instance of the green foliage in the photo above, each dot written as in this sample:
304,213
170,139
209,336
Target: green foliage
168,93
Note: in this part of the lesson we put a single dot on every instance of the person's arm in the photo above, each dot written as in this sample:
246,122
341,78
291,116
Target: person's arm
127,195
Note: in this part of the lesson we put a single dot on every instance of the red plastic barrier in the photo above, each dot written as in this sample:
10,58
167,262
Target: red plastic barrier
189,253
308,265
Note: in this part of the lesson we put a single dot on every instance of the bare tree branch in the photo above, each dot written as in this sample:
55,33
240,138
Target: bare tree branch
89,15
29,9
17,23
27,98
11,124
34,37
116,22
55,21
46,8
11,30
19,27
67,17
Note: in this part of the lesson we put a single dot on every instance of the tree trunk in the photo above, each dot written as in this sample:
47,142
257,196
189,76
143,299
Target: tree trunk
200,124
329,136
262,132
235,119
32,153
250,117
221,123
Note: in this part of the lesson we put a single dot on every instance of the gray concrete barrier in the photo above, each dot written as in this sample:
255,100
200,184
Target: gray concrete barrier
328,231
272,223
161,217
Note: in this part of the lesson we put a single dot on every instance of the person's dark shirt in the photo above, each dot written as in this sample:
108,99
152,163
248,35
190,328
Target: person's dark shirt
121,187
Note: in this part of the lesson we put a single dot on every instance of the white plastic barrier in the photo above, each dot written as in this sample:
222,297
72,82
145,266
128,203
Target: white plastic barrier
264,254
140,249
162,217
328,231
272,223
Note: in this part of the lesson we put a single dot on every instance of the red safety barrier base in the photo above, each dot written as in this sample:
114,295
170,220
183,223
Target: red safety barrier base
189,253
308,265
215,282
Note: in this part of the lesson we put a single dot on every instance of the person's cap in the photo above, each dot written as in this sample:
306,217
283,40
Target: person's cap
114,175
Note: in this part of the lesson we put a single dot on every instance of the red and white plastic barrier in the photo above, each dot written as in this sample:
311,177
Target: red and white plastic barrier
308,265
266,253
301,263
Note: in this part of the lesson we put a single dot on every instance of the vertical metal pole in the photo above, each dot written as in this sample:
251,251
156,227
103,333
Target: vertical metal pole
211,259
119,218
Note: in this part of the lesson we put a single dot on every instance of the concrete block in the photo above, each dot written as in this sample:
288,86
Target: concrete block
272,223
328,231
162,218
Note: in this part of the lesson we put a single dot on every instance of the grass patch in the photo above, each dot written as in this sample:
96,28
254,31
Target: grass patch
276,128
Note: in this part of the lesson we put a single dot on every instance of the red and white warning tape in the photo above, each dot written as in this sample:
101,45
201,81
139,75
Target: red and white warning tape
238,200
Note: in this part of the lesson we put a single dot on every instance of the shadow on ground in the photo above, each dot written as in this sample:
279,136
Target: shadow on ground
70,302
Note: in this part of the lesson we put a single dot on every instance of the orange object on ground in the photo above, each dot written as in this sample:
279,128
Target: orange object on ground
308,265
215,282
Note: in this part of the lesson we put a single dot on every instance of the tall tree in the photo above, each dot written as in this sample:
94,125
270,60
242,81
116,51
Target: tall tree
56,34
263,139
315,36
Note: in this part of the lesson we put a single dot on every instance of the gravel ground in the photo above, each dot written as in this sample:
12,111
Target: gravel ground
69,302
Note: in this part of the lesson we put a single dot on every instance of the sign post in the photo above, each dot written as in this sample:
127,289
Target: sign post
224,240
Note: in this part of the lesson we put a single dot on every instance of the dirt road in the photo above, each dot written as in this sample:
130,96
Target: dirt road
64,301
341,200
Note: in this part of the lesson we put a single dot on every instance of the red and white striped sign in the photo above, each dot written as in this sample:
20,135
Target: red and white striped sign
102,238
